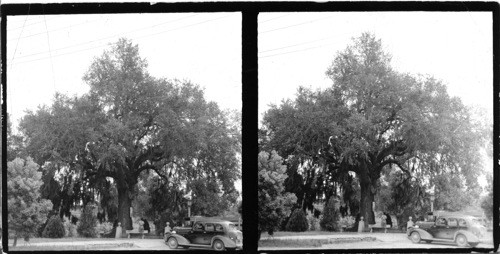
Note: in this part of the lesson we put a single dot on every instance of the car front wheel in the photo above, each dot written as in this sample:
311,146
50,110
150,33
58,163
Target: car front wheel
218,245
172,243
415,237
461,240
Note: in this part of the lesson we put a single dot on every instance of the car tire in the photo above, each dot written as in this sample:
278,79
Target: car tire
461,240
218,245
415,237
172,243
473,244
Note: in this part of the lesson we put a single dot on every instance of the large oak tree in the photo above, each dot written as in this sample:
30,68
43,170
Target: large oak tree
372,117
128,123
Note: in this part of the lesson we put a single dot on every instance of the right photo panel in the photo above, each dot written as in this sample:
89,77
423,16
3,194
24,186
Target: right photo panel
375,130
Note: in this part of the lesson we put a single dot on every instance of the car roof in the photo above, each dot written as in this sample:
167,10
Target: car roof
212,221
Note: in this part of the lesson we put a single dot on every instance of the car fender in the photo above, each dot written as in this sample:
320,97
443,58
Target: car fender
470,236
424,235
228,243
181,240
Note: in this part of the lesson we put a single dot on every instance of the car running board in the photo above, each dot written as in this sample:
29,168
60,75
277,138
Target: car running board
197,245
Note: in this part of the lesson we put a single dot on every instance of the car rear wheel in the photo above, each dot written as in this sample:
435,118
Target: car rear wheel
172,243
218,245
461,240
415,237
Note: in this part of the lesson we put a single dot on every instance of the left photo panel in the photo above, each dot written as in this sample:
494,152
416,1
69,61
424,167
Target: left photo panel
124,132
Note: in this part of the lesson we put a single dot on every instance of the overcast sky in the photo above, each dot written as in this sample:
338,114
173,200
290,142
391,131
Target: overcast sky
296,49
51,53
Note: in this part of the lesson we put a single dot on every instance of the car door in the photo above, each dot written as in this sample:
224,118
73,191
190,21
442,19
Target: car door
209,233
438,230
451,228
195,236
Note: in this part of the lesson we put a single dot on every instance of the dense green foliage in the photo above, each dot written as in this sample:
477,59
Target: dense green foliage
372,118
87,223
274,203
298,221
26,210
331,216
54,228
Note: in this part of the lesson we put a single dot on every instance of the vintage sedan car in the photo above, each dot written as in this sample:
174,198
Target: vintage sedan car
463,230
206,233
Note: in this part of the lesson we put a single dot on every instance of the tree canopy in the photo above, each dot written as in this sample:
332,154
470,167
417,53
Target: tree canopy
373,117
128,123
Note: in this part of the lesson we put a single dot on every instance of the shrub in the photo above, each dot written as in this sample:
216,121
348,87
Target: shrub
298,221
330,220
54,228
105,227
87,223
347,222
313,222
70,228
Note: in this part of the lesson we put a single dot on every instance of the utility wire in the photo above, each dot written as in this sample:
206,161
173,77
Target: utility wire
299,24
106,44
50,54
105,38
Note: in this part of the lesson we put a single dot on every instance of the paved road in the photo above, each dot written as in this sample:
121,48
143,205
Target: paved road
383,241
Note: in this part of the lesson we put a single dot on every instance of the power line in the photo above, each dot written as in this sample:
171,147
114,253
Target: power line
299,24
54,30
267,20
50,54
104,45
108,37
299,50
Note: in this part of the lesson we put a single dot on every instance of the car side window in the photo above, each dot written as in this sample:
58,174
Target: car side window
462,223
441,222
209,227
198,226
219,228
452,222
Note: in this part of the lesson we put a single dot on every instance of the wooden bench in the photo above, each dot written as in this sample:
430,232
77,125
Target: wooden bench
136,232
376,227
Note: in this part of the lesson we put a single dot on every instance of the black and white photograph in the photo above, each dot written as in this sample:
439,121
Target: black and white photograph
124,131
375,130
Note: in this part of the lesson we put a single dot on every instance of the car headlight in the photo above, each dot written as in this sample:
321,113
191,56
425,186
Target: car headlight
173,232
416,226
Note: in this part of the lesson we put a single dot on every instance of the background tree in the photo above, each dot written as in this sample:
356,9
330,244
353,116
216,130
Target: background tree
26,210
128,123
298,221
274,203
54,228
331,215
371,118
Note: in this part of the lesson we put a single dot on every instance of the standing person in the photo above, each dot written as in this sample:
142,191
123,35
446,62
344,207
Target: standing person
409,224
361,224
167,230
141,226
383,221
118,233
388,220
146,225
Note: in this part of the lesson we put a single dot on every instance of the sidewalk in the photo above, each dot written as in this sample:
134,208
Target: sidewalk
152,244
386,237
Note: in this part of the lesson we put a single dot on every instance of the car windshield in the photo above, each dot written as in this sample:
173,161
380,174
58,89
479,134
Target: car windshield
231,226
476,221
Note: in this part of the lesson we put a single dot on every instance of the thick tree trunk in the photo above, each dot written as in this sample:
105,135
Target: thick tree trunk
367,196
366,203
15,241
124,201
